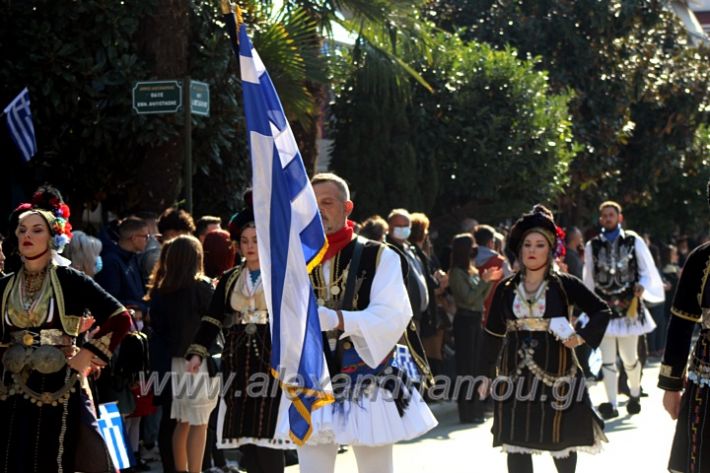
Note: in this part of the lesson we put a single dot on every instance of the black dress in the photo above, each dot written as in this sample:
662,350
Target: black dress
48,416
691,306
250,405
541,401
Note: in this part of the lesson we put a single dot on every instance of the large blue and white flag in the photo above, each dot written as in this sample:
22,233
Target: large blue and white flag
19,123
291,242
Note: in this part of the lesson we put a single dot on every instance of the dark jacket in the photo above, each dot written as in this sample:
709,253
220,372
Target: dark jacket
121,275
175,318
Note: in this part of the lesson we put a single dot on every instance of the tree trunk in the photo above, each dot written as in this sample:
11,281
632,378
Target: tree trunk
307,136
165,41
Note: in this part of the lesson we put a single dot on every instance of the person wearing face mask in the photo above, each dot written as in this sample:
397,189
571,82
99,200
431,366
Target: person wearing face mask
84,251
400,228
619,267
540,398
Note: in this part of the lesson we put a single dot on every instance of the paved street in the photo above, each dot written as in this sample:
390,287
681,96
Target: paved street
641,442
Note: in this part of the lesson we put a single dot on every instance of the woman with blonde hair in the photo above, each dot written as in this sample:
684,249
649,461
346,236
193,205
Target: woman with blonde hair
179,297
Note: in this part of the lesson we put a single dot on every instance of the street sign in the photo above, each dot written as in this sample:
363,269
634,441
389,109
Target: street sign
200,98
160,96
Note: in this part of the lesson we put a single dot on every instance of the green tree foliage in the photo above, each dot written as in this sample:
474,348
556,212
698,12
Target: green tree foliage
78,64
373,138
679,205
80,61
640,91
466,149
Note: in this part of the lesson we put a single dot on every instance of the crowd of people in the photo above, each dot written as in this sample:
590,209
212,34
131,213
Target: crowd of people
500,307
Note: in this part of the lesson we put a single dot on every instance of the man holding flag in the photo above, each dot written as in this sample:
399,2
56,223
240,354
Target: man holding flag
363,311
364,314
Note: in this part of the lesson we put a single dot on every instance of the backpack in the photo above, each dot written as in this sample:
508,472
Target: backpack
132,357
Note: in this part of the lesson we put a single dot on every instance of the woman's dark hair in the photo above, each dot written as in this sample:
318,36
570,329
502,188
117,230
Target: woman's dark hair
374,228
182,265
177,220
462,250
219,253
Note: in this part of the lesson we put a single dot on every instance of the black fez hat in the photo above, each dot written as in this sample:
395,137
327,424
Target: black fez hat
540,219
241,219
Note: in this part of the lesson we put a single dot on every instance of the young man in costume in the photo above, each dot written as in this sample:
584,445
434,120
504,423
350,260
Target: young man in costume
619,267
363,311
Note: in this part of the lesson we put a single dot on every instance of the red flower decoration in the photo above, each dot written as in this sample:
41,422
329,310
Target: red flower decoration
560,248
64,210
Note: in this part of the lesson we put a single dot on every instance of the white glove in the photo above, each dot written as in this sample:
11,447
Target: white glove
328,318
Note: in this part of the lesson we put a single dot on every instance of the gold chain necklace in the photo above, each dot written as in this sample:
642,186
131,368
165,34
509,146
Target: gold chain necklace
32,285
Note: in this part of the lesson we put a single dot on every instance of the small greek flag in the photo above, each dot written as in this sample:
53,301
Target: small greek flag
111,428
403,360
19,122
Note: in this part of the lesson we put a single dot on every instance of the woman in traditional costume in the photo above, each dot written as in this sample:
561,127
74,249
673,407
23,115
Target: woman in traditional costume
48,416
541,401
687,384
247,417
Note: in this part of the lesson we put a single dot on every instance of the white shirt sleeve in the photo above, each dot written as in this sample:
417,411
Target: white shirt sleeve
649,277
375,330
588,271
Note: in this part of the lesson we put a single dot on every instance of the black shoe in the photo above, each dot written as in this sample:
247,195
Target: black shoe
608,411
633,406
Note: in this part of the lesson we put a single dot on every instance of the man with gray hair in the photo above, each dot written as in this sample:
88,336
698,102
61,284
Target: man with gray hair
400,227
363,311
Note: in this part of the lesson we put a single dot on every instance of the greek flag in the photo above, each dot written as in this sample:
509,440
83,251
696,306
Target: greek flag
291,242
403,360
19,122
111,428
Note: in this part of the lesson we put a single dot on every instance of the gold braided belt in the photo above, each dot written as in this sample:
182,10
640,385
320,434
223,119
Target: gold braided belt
531,324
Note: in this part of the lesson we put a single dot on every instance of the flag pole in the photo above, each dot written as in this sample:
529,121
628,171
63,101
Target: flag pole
234,9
